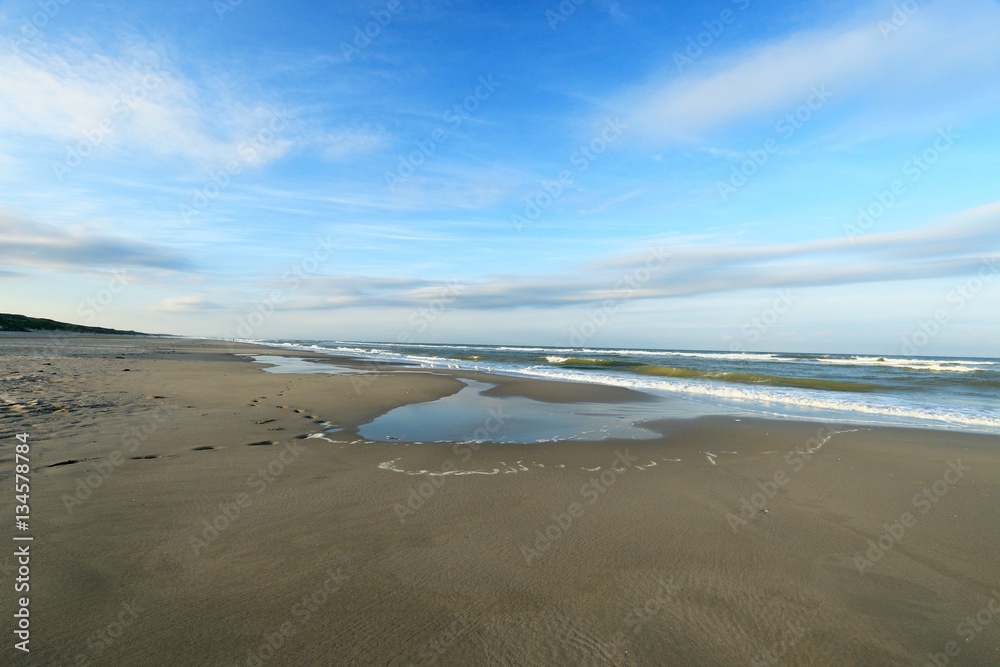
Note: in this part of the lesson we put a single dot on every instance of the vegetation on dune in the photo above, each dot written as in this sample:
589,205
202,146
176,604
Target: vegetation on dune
10,322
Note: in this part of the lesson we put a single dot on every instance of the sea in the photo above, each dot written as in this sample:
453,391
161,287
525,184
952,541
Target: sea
959,393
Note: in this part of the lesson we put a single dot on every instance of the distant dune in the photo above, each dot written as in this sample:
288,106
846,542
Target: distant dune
9,322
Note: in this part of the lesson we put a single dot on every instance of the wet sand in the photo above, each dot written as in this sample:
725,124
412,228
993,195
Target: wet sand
181,516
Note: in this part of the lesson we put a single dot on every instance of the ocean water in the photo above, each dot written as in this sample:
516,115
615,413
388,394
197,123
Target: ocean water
961,393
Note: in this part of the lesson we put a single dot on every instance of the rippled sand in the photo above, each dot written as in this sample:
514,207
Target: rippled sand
182,515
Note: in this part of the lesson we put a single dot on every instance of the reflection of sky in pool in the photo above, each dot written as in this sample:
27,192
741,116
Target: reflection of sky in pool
299,365
467,415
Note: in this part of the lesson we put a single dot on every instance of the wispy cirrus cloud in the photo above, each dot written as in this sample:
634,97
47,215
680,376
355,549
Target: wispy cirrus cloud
942,59
134,101
959,245
350,142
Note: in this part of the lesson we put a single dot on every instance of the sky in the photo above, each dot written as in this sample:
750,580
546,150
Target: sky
726,175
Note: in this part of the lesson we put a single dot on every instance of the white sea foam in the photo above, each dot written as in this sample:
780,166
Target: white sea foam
740,356
856,404
937,365
766,399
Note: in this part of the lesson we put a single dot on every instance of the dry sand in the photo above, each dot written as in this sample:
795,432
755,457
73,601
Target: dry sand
340,551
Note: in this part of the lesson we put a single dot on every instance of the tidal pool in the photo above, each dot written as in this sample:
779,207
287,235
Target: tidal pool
469,416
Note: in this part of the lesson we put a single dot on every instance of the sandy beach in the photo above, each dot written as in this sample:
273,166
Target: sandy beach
182,515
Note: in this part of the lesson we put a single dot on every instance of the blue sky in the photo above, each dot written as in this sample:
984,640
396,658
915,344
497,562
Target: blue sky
712,175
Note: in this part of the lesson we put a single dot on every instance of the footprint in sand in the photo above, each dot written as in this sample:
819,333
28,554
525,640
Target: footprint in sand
68,462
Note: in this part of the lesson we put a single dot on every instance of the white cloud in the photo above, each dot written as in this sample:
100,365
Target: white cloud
136,101
944,56
175,304
962,244
349,142
25,242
